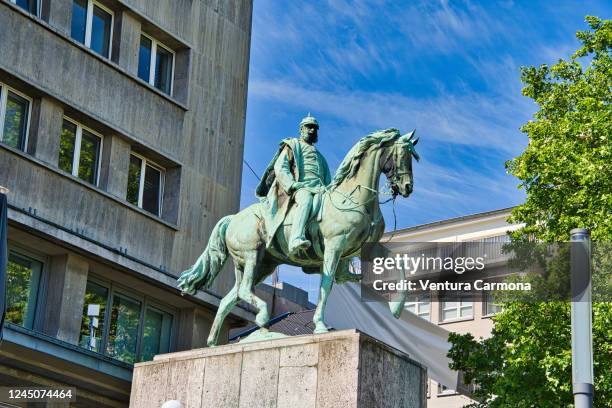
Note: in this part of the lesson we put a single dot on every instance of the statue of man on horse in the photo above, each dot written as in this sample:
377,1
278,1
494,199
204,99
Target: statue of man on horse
294,177
273,232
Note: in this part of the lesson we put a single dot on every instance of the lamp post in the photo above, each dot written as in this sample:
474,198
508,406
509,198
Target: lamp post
582,333
93,311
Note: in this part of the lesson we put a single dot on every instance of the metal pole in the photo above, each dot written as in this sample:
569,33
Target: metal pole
92,334
582,334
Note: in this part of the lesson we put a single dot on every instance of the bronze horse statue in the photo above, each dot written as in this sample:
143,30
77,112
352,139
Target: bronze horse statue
349,216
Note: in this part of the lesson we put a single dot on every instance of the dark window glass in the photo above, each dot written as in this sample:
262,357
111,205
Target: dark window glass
22,278
15,121
133,187
88,159
67,141
79,20
123,328
152,190
144,58
100,31
29,5
163,70
94,295
156,337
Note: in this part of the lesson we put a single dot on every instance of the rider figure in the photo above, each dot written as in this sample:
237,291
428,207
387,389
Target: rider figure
298,171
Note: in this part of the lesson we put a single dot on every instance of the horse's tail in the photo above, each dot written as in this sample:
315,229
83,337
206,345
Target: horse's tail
205,270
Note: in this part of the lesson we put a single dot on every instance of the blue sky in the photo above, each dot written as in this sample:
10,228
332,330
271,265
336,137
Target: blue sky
449,69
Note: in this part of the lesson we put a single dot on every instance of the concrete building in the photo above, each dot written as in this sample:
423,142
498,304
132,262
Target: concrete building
121,141
456,315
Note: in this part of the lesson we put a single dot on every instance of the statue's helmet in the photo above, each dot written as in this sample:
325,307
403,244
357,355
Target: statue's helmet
309,120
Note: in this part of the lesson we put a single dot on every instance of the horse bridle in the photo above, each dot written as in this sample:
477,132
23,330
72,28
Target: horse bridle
393,178
390,172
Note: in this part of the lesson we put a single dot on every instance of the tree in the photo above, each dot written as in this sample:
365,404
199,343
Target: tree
566,171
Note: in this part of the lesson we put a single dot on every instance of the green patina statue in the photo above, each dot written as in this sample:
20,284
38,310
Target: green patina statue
305,218
296,174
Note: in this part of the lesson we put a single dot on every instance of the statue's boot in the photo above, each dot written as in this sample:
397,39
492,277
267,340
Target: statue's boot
298,240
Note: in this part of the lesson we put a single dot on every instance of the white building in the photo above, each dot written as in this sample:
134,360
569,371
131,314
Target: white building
456,316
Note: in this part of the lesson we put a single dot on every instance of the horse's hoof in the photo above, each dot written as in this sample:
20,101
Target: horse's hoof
188,291
320,329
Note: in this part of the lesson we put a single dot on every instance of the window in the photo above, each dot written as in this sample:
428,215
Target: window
29,5
155,64
145,184
156,336
419,305
123,331
444,390
94,295
14,117
456,309
79,152
489,306
92,25
132,329
496,239
22,282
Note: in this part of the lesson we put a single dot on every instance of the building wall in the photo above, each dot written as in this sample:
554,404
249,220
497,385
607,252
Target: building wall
82,231
187,134
469,228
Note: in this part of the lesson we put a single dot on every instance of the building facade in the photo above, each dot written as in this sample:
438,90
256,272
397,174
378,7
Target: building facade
457,315
121,141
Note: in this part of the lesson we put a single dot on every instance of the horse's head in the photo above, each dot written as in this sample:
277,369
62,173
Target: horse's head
397,164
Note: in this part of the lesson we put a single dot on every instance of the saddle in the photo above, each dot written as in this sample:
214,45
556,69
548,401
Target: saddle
311,260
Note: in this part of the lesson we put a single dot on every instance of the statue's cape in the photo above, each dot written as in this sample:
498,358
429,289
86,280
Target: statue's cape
275,199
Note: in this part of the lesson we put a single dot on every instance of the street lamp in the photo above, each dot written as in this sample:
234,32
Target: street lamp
582,333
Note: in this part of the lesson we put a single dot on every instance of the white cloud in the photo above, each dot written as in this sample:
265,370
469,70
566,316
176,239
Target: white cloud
355,64
470,119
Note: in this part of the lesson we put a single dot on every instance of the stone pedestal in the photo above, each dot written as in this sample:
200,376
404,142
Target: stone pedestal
338,369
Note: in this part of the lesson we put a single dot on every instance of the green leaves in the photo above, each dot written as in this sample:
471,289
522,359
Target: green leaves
527,360
566,171
566,168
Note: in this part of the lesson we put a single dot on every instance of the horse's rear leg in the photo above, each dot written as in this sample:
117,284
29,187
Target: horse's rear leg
226,305
245,292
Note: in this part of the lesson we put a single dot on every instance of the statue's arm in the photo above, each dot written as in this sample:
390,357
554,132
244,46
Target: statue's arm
327,176
282,171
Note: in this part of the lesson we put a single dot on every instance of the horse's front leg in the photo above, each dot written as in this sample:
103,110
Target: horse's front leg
333,250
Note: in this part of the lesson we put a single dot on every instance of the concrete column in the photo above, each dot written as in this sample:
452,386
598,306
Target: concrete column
58,13
194,327
44,141
126,42
115,164
172,194
65,297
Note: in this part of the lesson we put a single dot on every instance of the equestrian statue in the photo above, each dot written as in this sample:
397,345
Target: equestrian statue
305,218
